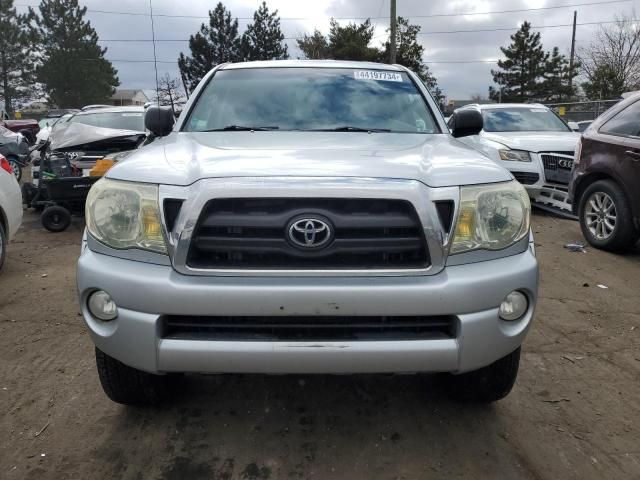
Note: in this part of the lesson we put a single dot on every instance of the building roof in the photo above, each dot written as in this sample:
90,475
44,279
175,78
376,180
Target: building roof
127,94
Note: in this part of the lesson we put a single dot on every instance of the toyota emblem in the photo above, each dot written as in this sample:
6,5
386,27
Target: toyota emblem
310,232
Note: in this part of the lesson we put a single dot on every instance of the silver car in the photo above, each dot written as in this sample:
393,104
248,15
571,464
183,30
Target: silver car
307,217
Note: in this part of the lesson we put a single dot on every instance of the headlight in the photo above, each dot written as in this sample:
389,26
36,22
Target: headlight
125,215
514,155
491,217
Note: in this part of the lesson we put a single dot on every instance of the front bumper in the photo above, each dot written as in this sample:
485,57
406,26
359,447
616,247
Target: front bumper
145,292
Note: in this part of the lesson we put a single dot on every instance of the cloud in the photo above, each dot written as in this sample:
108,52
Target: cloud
458,80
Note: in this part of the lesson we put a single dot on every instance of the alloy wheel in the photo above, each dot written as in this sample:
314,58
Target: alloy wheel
600,215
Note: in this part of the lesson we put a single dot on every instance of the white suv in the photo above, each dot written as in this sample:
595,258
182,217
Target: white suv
10,206
530,141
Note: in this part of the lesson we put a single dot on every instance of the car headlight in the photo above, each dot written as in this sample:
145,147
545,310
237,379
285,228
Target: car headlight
514,155
491,217
125,215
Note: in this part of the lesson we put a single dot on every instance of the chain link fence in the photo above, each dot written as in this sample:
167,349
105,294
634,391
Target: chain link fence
582,111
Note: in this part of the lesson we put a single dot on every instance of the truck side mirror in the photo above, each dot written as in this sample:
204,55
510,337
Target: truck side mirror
466,122
159,120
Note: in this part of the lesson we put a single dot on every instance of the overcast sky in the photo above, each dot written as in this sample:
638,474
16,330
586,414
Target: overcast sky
457,80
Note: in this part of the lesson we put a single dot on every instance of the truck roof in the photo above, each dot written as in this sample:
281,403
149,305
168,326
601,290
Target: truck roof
312,64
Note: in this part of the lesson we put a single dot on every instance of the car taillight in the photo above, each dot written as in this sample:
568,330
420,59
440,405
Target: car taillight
5,165
576,157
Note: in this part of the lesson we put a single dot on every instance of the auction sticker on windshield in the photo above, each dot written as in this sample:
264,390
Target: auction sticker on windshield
377,75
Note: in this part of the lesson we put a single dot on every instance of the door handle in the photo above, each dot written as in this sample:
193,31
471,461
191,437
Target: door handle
635,156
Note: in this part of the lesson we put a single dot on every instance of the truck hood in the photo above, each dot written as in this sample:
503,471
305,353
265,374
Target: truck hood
183,158
536,141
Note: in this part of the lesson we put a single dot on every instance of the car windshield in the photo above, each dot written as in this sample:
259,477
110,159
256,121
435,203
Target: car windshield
522,119
120,120
311,99
48,122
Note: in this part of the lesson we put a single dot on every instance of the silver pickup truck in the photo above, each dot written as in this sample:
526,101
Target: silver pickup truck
308,217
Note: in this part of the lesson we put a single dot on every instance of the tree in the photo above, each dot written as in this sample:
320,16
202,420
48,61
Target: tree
263,39
352,42
314,47
169,92
410,54
214,44
604,83
73,70
17,70
555,83
611,63
520,74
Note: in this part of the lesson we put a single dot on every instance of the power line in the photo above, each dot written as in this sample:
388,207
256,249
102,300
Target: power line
501,29
438,32
435,15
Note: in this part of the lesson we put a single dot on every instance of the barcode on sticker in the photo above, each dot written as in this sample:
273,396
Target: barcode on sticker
377,75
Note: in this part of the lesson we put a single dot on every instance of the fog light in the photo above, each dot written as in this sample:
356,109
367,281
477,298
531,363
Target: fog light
513,306
102,306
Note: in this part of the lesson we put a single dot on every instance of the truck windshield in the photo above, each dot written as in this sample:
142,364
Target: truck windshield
522,119
311,99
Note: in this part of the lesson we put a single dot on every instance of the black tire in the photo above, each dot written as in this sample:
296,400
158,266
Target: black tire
15,166
56,219
624,234
127,385
3,245
487,384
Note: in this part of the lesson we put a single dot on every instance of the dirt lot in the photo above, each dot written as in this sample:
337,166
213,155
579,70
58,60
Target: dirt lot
574,413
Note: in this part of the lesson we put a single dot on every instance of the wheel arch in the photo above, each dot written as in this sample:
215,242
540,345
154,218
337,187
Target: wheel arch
591,178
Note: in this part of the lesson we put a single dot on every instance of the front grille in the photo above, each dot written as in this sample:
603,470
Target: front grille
526,178
315,328
557,166
243,233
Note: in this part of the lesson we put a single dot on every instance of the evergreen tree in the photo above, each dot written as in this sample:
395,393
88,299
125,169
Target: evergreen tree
17,70
409,53
352,42
520,75
214,44
555,84
73,70
263,39
314,46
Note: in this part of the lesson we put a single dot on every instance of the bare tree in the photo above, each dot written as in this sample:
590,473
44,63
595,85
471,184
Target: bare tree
170,92
611,62
477,98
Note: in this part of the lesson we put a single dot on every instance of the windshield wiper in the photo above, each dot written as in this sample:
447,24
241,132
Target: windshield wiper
348,128
241,128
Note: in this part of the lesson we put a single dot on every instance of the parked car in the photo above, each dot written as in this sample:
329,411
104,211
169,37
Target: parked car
307,217
93,134
15,149
10,207
606,177
28,128
533,143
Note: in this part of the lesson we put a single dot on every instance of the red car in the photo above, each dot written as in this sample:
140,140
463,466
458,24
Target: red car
29,128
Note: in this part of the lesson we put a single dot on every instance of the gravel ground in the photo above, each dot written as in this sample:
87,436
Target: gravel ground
574,413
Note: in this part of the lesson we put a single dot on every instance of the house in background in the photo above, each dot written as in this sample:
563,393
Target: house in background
124,98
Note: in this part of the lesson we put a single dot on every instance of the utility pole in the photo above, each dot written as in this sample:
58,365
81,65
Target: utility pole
392,40
573,49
